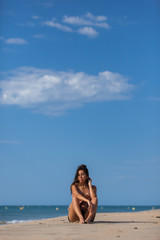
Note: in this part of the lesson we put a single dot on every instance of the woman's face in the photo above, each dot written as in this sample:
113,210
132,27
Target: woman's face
82,176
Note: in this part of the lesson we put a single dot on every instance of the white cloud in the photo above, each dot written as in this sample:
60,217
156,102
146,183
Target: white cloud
87,20
35,17
89,31
60,26
53,93
98,18
15,41
102,25
76,20
39,36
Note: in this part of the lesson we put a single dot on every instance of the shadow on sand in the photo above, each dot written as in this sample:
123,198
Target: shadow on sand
95,222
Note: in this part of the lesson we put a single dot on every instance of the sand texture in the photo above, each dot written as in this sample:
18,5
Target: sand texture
131,226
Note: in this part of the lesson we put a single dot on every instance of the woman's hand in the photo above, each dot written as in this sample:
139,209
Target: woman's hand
90,205
89,181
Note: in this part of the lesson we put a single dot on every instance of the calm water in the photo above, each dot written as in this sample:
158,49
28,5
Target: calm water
14,214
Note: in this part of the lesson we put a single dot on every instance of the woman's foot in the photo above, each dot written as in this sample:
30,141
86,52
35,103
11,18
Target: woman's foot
81,220
90,218
88,221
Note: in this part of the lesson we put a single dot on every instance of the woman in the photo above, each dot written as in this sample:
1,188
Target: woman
84,197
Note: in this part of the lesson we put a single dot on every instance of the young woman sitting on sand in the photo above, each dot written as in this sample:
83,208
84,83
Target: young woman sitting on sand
84,197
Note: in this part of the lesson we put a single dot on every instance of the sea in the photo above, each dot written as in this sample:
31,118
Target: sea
16,214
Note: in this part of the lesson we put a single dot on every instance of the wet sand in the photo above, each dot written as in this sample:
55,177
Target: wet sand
128,226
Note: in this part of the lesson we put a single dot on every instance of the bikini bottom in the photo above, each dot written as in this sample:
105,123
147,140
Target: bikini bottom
83,213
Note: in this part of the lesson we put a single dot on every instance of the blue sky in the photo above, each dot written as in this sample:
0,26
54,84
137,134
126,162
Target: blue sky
79,83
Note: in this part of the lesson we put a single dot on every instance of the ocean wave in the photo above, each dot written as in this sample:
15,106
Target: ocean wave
3,222
13,221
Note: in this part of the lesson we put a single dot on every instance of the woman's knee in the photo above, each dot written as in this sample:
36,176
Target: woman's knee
72,218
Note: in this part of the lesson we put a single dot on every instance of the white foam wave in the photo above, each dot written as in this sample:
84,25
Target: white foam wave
17,221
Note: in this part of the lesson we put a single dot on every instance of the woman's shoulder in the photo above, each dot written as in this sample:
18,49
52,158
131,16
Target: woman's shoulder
75,185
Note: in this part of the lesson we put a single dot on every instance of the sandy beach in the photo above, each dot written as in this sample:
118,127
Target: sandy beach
130,226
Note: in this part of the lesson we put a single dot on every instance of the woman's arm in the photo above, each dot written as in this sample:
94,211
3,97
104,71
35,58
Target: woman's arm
92,189
76,194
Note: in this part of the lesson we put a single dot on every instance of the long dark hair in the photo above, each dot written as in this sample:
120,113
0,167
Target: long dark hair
85,169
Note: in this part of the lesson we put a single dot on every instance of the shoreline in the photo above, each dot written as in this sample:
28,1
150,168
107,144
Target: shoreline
128,226
129,209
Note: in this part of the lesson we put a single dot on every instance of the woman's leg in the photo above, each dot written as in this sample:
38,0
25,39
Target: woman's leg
75,213
92,212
